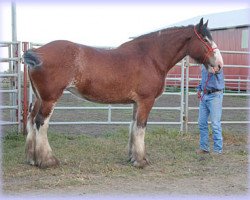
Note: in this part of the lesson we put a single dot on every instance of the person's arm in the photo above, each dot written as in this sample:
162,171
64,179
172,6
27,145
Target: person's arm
199,89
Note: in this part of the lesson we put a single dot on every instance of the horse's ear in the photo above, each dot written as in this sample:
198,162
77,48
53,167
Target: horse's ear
201,22
199,26
205,25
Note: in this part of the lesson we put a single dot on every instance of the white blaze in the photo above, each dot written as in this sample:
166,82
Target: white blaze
217,54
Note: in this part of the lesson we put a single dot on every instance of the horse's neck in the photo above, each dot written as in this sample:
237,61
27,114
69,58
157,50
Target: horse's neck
173,46
167,47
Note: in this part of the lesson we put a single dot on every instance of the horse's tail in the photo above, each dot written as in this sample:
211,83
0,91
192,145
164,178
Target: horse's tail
32,59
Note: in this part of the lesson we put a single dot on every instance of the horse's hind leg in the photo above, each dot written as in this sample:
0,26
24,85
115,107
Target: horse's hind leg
136,140
43,152
31,136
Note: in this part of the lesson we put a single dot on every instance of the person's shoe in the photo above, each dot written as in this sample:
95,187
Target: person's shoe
216,153
201,152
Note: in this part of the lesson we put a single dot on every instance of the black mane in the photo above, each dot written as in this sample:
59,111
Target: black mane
204,31
162,31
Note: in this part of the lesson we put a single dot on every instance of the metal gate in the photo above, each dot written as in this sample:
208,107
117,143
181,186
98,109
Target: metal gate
10,77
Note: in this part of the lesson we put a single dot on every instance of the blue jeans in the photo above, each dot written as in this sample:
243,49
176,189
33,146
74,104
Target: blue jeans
211,105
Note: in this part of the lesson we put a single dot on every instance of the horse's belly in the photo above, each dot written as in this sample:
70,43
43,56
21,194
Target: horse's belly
100,97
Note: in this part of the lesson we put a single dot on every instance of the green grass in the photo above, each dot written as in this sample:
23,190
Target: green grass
88,160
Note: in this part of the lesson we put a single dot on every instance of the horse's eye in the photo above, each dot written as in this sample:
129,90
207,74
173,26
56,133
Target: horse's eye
205,39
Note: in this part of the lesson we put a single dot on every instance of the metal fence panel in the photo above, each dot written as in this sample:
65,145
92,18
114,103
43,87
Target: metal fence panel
12,75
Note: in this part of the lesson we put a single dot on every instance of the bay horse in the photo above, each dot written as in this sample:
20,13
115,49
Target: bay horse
133,73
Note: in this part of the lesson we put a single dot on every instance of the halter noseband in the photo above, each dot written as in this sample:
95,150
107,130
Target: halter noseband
210,49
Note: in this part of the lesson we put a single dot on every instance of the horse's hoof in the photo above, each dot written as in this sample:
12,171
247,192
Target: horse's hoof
131,159
30,162
30,158
52,161
140,164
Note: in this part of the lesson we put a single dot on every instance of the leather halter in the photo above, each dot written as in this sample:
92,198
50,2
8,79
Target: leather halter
210,49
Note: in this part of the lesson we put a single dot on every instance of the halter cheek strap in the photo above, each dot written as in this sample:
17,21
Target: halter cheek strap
210,49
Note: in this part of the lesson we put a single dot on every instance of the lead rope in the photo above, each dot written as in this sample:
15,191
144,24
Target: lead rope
205,87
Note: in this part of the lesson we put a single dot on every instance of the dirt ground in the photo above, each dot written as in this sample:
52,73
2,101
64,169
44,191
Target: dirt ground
233,181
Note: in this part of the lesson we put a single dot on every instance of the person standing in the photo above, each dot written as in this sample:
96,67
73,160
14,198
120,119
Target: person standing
210,93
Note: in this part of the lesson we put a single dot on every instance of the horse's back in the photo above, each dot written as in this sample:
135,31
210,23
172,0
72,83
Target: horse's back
66,51
57,48
57,44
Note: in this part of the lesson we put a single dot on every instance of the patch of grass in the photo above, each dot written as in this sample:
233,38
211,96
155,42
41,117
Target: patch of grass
93,161
12,149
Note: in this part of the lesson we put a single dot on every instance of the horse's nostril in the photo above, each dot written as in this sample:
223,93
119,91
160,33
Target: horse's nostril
219,67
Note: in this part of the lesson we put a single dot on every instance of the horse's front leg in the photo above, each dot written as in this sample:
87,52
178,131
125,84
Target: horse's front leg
131,130
137,151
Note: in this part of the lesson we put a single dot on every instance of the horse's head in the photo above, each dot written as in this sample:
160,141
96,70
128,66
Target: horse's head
204,50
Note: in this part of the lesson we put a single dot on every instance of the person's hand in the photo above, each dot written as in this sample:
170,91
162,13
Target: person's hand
199,94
